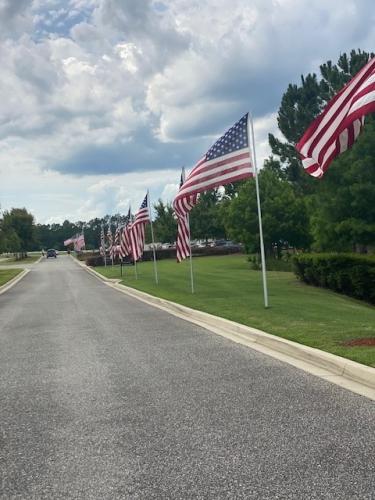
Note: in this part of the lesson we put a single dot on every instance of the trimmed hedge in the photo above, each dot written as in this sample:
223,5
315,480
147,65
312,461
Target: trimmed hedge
94,260
350,274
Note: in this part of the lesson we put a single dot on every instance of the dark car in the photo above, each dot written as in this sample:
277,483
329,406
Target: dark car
51,253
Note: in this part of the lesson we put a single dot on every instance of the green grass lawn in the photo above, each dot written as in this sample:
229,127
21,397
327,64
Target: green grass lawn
227,287
12,261
7,274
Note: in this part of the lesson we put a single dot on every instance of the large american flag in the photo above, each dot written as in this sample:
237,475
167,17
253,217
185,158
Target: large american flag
137,230
227,161
338,126
125,247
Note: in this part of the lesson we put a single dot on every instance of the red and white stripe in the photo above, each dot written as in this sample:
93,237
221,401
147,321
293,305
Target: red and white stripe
137,240
182,209
125,247
110,240
211,174
137,230
183,238
79,243
338,126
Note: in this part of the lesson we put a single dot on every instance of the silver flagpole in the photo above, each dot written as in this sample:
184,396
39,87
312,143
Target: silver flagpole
104,248
191,257
152,237
262,254
110,227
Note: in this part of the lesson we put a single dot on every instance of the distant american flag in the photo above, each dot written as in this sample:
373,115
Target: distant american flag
125,247
227,161
110,239
102,241
79,243
336,129
137,230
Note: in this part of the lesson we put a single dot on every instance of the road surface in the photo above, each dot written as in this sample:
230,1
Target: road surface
104,397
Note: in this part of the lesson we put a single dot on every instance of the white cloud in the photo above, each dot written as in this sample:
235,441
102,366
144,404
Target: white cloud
112,86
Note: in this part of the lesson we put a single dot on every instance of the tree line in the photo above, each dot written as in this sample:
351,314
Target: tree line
335,214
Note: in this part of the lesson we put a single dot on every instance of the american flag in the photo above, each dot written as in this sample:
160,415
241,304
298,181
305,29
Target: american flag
79,243
116,243
110,239
125,247
336,129
227,161
137,229
102,241
183,228
68,241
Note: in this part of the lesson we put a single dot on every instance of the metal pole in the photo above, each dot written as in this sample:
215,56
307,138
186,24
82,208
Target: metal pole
111,251
103,242
262,253
152,238
190,258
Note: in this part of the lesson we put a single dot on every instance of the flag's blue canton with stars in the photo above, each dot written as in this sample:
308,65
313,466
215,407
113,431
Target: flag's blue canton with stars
144,203
227,161
142,215
236,138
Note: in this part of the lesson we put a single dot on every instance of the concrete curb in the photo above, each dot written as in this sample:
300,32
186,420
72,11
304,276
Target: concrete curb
341,371
7,286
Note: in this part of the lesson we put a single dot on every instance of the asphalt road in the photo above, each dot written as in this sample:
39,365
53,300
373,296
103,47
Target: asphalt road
104,397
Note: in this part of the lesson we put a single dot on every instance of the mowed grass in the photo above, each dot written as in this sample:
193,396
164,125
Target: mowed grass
30,259
8,274
227,287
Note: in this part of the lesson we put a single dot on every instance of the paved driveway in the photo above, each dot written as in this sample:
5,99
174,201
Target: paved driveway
104,397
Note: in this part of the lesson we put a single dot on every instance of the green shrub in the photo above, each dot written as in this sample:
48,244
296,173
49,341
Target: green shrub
272,264
350,274
93,259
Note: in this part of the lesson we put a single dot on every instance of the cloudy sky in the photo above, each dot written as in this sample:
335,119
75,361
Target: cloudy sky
102,99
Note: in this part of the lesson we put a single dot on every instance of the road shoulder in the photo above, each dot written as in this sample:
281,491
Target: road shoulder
12,282
348,374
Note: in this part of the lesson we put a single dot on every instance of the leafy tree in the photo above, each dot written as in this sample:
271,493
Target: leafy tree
165,224
284,214
340,205
343,209
300,104
205,219
18,226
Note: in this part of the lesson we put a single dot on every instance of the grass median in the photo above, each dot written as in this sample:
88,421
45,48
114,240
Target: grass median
227,287
8,274
12,261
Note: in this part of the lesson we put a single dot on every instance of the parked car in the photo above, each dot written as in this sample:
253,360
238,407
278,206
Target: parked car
51,253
